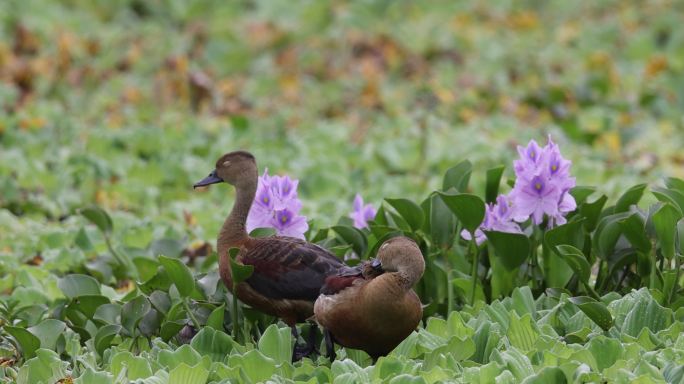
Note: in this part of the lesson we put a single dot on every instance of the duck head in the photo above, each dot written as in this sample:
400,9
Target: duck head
234,168
400,254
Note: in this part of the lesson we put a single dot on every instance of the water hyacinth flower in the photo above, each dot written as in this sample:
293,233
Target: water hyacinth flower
362,213
542,185
498,217
276,205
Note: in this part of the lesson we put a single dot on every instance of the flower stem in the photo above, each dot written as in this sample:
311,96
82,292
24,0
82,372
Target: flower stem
476,260
235,313
450,285
678,267
194,320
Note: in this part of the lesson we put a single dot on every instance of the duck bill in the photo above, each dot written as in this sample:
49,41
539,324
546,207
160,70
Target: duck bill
211,179
377,266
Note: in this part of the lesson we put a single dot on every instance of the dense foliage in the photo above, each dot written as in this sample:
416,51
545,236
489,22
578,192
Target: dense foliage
109,111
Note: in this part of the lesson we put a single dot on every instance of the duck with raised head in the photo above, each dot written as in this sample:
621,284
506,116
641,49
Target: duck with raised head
376,309
288,272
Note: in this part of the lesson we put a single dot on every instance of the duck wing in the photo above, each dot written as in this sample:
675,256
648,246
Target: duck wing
289,268
345,277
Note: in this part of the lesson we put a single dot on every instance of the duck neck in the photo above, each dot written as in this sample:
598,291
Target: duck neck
233,232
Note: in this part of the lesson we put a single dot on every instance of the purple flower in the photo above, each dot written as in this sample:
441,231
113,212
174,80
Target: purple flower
542,185
362,213
498,217
277,206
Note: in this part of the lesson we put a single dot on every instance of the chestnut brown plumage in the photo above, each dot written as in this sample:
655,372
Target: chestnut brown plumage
288,272
374,312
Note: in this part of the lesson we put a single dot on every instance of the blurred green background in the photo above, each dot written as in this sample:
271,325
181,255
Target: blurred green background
126,103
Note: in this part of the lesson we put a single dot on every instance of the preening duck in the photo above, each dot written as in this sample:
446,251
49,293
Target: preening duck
288,272
375,309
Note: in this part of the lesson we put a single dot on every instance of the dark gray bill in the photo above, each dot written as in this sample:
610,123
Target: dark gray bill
211,179
376,265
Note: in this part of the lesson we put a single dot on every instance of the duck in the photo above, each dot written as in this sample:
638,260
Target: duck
288,272
375,308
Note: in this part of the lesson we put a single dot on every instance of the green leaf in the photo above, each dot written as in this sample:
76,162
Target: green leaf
556,271
46,367
409,211
442,223
576,260
276,343
215,319
634,229
99,217
262,232
607,234
240,272
595,310
492,183
680,237
469,209
185,374
104,337
133,311
458,176
512,249
675,184
78,285
215,344
592,212
135,367
581,193
354,237
48,332
92,377
646,313
665,220
26,341
676,198
629,198
88,304
522,332
547,375
180,275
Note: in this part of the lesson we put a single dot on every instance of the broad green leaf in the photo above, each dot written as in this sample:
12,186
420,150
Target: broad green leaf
665,220
522,332
256,367
45,367
595,310
135,367
581,193
108,313
104,337
676,198
276,343
215,344
547,375
185,374
262,232
592,212
354,237
629,198
26,341
442,223
180,275
469,209
606,351
166,246
133,311
93,377
48,331
607,234
646,313
512,249
215,319
680,237
634,229
576,260
556,271
458,176
240,272
492,183
183,354
78,285
99,217
409,211
88,304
